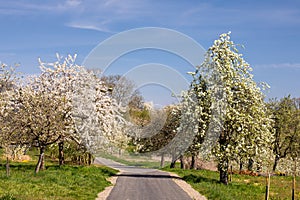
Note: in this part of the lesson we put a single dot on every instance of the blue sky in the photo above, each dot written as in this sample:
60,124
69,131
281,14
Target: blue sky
269,30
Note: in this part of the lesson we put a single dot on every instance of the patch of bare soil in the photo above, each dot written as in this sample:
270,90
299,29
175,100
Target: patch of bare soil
208,165
20,158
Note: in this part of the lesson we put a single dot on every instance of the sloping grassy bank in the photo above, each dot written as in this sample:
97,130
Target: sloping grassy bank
242,187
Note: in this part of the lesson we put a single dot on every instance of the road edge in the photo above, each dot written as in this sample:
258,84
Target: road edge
105,193
195,195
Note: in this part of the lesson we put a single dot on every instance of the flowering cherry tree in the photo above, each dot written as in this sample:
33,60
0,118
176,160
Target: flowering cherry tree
8,81
98,118
237,110
64,102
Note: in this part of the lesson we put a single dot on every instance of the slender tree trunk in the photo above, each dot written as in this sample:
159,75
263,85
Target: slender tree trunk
90,158
43,163
162,160
267,187
224,176
7,167
181,162
223,168
223,162
193,163
293,187
173,164
277,158
250,164
40,164
61,156
241,165
294,180
231,172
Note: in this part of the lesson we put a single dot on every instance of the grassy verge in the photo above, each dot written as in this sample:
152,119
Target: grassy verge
242,187
138,161
67,182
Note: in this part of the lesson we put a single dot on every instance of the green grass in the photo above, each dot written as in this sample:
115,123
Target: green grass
242,187
67,182
132,160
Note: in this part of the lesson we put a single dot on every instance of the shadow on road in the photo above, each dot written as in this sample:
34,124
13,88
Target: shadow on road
166,176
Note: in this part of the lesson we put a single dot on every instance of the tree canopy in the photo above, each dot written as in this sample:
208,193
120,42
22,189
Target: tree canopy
243,124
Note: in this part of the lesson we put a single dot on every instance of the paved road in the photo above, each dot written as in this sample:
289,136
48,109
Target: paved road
136,183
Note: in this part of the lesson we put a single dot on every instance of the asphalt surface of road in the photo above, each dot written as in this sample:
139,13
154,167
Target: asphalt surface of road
136,183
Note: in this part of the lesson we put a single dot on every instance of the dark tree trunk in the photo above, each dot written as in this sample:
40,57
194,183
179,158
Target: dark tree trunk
162,160
40,164
277,158
224,174
241,165
181,162
173,164
61,156
231,172
250,164
223,162
90,158
193,163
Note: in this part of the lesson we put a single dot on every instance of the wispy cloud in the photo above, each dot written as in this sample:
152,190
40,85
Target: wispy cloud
89,26
106,15
35,7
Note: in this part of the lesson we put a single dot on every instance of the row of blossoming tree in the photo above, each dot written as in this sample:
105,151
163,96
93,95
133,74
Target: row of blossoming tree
64,103
232,121
224,116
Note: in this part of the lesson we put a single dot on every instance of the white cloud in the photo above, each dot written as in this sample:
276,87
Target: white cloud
105,16
31,8
89,26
